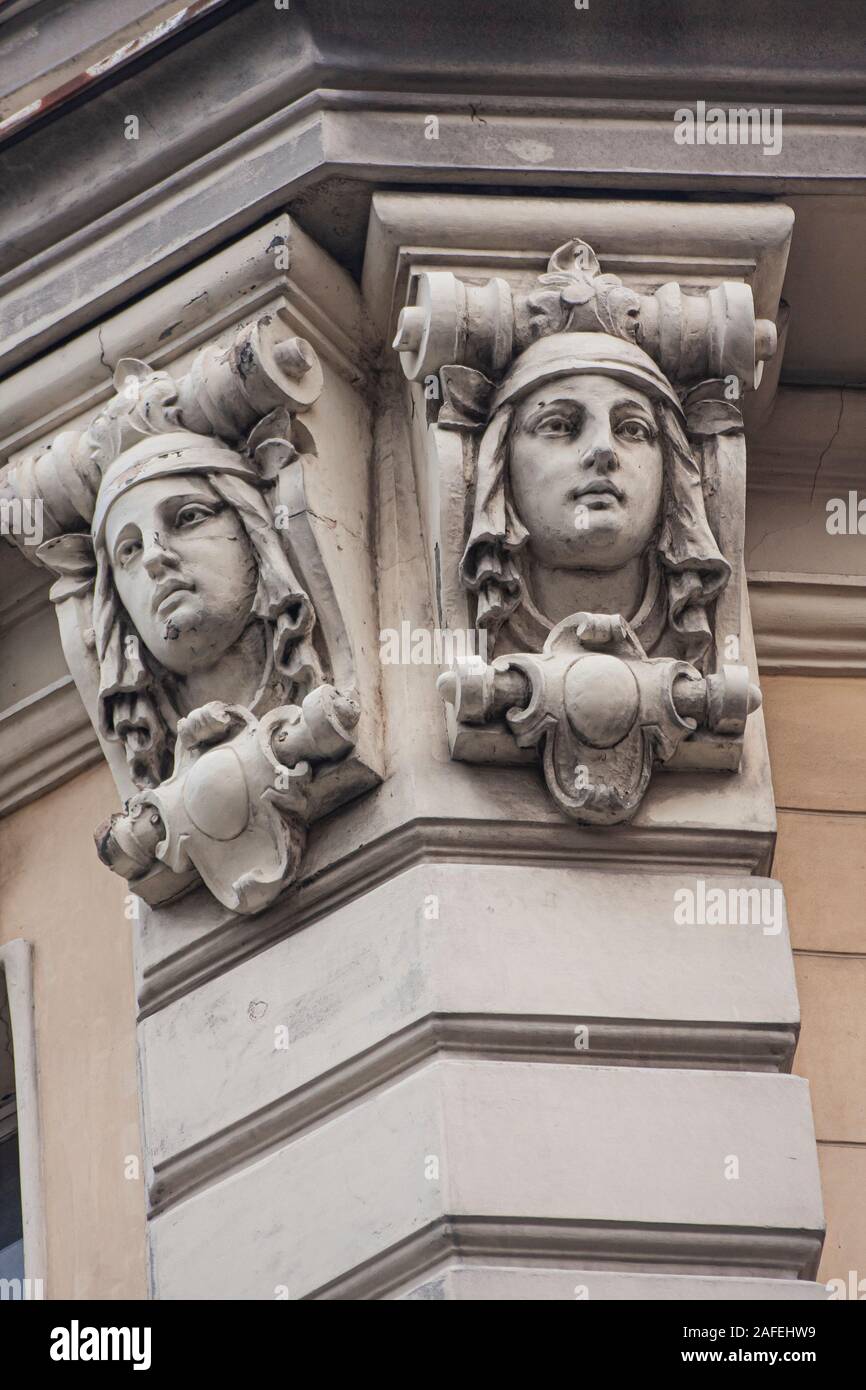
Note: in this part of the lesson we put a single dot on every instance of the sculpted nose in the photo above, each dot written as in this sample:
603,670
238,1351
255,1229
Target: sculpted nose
155,556
600,454
601,458
599,445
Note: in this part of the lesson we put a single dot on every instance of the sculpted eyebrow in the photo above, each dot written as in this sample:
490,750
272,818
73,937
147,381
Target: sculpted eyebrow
560,403
172,505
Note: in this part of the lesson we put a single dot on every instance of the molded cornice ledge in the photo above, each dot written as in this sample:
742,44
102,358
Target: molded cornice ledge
312,44
74,259
806,466
240,117
809,624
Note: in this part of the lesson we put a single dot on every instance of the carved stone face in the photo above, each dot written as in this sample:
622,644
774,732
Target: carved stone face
586,472
183,569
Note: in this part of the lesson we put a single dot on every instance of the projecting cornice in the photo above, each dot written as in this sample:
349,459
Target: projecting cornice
812,56
120,228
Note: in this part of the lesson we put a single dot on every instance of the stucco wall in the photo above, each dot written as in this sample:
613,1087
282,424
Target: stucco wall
817,742
54,892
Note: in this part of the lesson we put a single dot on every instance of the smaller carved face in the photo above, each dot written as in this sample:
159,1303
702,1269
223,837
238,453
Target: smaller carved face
183,569
586,472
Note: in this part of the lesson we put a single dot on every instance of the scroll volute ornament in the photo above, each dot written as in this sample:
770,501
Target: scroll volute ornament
692,337
198,618
604,430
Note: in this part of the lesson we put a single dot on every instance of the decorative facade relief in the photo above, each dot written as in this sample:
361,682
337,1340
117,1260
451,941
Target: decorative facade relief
199,618
602,437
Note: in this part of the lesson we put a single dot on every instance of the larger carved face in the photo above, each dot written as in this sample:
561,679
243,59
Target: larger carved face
183,569
586,472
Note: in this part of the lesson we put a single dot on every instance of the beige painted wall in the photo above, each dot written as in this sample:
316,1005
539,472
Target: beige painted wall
817,736
54,892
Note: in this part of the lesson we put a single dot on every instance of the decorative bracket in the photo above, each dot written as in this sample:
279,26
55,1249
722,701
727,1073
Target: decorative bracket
550,406
692,337
599,711
238,802
221,591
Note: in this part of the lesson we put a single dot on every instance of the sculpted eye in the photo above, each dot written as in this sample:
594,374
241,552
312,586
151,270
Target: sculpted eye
555,425
126,551
634,429
193,513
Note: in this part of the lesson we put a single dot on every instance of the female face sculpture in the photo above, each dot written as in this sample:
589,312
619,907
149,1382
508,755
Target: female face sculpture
190,564
586,472
183,569
586,489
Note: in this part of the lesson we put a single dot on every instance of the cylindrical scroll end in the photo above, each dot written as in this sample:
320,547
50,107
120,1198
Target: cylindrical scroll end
410,329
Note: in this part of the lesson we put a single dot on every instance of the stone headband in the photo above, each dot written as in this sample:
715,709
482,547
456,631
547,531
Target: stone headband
161,456
564,354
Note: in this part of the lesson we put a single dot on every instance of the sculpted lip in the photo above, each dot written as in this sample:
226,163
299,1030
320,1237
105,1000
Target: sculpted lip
601,487
167,591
